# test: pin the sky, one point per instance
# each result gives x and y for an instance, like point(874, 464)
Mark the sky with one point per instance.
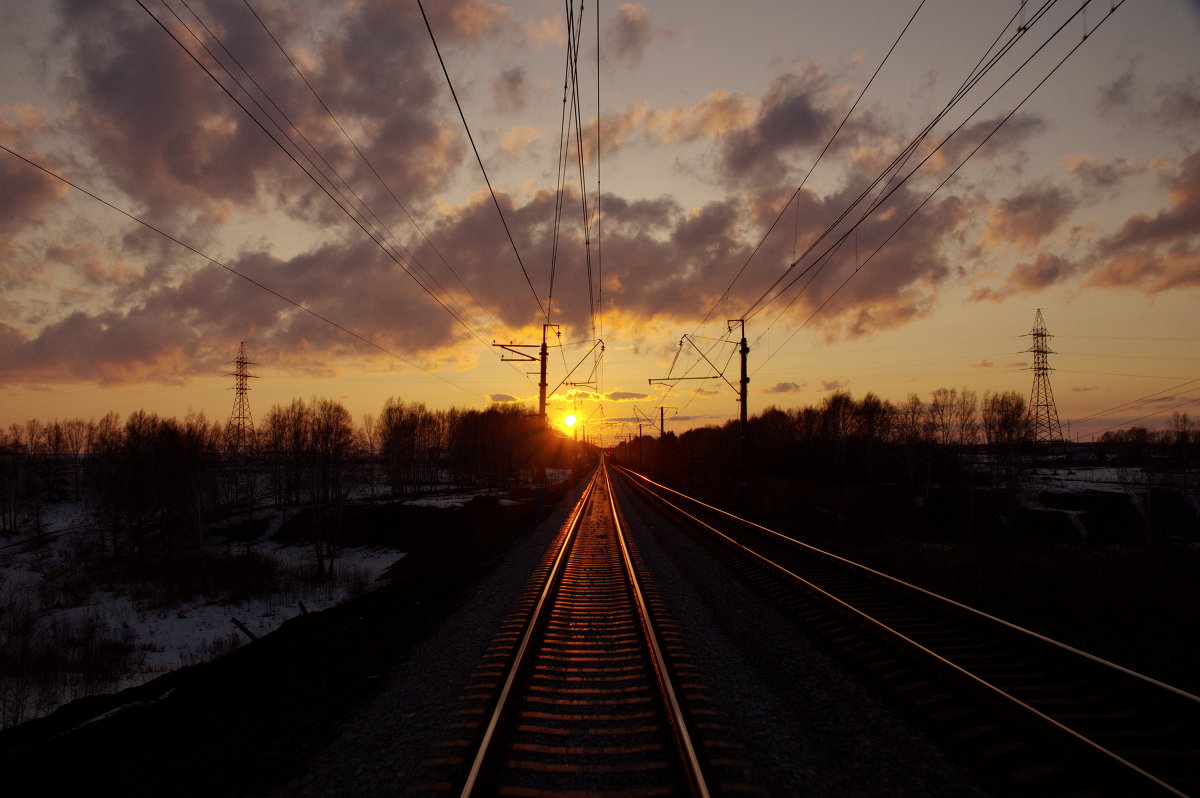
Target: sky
point(881, 193)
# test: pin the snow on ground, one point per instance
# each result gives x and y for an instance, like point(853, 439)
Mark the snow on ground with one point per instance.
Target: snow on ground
point(34, 573)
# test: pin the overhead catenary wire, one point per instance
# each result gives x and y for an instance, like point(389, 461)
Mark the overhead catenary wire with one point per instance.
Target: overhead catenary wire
point(462, 115)
point(886, 177)
point(367, 161)
point(365, 226)
point(795, 197)
point(796, 194)
point(952, 173)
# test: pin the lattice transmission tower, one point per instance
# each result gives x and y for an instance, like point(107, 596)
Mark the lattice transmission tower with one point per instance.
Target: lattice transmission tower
point(1043, 415)
point(239, 433)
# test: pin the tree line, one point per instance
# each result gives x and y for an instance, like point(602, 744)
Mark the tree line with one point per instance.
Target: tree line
point(955, 438)
point(149, 473)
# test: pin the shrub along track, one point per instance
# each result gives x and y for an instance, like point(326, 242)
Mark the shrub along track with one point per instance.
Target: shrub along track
point(251, 719)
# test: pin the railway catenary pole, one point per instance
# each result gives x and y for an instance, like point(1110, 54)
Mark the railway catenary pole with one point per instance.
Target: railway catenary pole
point(541, 358)
point(743, 349)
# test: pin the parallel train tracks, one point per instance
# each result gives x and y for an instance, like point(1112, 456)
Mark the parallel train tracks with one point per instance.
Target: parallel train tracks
point(587, 702)
point(1039, 716)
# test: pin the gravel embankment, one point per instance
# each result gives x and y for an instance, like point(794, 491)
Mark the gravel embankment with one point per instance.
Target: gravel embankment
point(262, 716)
point(381, 750)
point(808, 727)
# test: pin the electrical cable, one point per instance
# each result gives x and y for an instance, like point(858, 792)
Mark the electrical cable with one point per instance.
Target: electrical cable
point(952, 173)
point(479, 158)
point(368, 162)
point(235, 272)
point(296, 160)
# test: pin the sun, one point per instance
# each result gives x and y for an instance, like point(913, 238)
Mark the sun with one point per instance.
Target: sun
point(569, 420)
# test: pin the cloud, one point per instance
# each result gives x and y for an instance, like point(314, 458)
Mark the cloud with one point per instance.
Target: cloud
point(1085, 389)
point(1179, 103)
point(833, 385)
point(502, 398)
point(626, 396)
point(983, 364)
point(784, 387)
point(1027, 218)
point(1096, 175)
point(1118, 95)
point(179, 145)
point(1157, 252)
point(546, 32)
point(800, 110)
point(510, 90)
point(630, 34)
point(518, 141)
point(1044, 271)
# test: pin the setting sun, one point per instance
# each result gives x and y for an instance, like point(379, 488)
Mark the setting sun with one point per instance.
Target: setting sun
point(569, 420)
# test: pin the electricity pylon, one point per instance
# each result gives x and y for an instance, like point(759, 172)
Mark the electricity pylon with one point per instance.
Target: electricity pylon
point(1043, 415)
point(239, 433)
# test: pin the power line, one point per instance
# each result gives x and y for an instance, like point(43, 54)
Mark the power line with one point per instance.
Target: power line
point(479, 158)
point(363, 226)
point(952, 173)
point(370, 165)
point(234, 271)
point(796, 194)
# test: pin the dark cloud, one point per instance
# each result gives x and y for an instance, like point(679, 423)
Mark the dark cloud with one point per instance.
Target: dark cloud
point(795, 113)
point(1118, 95)
point(626, 396)
point(1027, 218)
point(509, 90)
point(833, 385)
point(1179, 103)
point(502, 398)
point(1157, 252)
point(1044, 271)
point(630, 33)
point(170, 138)
point(784, 387)
point(1096, 175)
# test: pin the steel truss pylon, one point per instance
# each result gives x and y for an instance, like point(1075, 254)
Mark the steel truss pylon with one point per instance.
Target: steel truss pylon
point(1043, 415)
point(239, 433)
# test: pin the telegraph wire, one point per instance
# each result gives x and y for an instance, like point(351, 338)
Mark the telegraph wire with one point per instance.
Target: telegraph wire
point(974, 77)
point(796, 194)
point(1132, 403)
point(379, 227)
point(479, 158)
point(235, 272)
point(1148, 415)
point(952, 173)
point(295, 160)
point(369, 164)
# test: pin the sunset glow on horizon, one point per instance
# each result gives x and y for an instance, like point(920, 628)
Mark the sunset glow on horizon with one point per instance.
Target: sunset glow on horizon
point(729, 146)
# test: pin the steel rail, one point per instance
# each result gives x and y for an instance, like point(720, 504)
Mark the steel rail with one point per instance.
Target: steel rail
point(915, 588)
point(531, 627)
point(930, 655)
point(695, 773)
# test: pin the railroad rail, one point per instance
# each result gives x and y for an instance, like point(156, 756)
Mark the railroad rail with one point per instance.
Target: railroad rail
point(1043, 717)
point(586, 703)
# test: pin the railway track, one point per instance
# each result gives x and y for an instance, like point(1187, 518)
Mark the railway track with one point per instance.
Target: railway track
point(1037, 716)
point(580, 697)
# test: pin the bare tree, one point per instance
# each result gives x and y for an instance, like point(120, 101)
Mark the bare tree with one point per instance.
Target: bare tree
point(1006, 428)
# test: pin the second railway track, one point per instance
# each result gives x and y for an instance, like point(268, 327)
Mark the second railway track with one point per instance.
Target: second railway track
point(1042, 717)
